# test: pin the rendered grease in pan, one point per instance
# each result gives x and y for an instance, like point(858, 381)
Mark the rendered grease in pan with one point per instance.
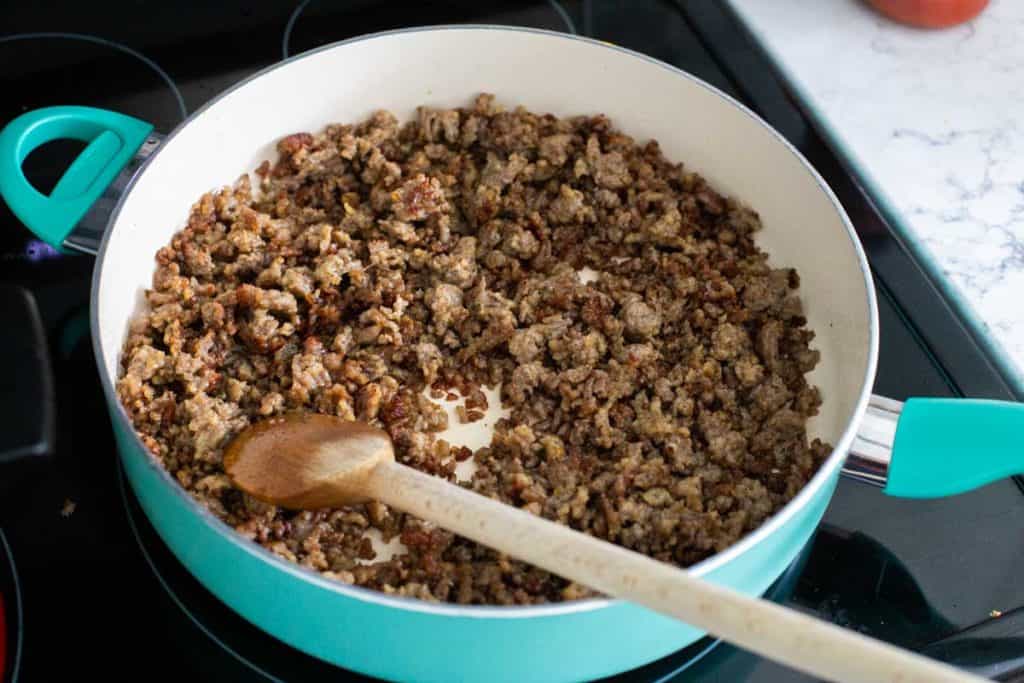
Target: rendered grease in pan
point(377, 270)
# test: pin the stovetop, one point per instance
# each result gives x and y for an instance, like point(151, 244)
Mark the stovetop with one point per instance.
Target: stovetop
point(87, 589)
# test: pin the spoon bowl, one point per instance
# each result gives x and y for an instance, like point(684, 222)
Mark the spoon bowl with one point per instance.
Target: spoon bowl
point(304, 461)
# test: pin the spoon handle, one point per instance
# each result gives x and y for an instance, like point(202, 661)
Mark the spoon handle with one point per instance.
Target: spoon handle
point(775, 632)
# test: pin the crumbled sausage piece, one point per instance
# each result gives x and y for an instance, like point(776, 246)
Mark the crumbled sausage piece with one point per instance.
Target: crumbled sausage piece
point(210, 422)
point(555, 148)
point(459, 267)
point(521, 243)
point(308, 374)
point(749, 371)
point(641, 320)
point(728, 341)
point(569, 207)
point(445, 302)
point(609, 170)
point(661, 406)
point(145, 362)
point(333, 267)
point(528, 344)
point(436, 125)
point(404, 232)
point(418, 199)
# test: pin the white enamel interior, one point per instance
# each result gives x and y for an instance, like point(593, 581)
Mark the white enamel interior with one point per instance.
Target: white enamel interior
point(545, 72)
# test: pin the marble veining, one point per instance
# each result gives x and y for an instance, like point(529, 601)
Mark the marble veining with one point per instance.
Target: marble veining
point(934, 118)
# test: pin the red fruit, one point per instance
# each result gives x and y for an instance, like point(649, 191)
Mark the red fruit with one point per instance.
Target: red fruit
point(930, 13)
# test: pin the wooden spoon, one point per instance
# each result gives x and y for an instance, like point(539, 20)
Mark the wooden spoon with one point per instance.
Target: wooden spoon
point(308, 461)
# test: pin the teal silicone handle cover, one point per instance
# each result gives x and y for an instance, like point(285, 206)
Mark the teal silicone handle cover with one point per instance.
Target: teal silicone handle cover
point(946, 446)
point(112, 141)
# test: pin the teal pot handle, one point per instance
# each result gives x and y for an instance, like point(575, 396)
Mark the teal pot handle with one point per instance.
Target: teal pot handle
point(63, 218)
point(934, 447)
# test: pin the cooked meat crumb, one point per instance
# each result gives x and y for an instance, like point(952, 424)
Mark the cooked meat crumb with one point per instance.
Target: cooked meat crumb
point(660, 405)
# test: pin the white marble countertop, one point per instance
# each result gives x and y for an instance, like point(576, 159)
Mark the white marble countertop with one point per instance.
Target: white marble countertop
point(933, 123)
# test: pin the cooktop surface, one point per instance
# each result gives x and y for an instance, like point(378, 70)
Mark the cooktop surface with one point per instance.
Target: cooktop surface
point(88, 589)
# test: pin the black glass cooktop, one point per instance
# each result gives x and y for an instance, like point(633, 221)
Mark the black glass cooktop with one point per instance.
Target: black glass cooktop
point(87, 589)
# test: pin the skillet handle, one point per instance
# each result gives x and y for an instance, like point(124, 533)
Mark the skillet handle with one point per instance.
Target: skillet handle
point(934, 447)
point(113, 141)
